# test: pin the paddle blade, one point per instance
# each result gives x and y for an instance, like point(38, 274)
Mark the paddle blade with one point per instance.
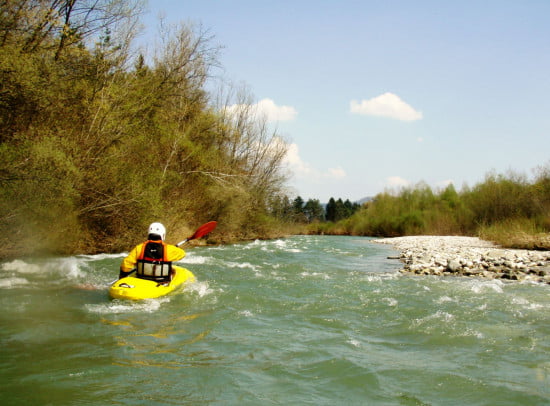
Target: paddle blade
point(206, 228)
point(201, 232)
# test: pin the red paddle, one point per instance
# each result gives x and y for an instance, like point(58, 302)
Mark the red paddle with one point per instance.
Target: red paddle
point(203, 230)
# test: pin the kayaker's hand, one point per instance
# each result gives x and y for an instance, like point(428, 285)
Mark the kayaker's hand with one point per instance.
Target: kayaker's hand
point(123, 274)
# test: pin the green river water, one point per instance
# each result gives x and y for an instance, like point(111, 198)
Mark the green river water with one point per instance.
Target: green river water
point(308, 320)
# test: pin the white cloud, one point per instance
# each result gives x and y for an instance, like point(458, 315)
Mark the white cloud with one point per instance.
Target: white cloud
point(302, 169)
point(276, 113)
point(386, 105)
point(397, 181)
point(336, 173)
point(294, 161)
point(265, 108)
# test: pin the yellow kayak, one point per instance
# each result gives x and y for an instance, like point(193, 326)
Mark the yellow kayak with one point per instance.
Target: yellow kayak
point(137, 289)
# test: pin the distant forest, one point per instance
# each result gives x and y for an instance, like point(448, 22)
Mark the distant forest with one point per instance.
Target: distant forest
point(509, 209)
point(313, 211)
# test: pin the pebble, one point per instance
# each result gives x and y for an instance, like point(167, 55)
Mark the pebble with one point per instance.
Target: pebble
point(469, 256)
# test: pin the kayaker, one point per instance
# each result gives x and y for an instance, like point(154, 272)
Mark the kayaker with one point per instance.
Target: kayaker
point(153, 258)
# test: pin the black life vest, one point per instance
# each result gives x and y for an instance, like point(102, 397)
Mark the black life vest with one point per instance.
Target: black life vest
point(152, 262)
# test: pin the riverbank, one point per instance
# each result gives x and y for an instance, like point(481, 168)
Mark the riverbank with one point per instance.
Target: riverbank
point(469, 256)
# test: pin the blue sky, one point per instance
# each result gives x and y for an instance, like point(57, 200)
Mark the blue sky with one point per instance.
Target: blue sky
point(373, 95)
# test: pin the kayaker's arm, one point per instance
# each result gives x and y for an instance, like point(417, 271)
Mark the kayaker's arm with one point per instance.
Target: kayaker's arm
point(174, 253)
point(129, 263)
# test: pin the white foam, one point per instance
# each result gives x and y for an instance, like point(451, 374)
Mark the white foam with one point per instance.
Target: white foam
point(246, 313)
point(472, 333)
point(20, 266)
point(322, 274)
point(483, 286)
point(116, 307)
point(195, 259)
point(445, 299)
point(354, 342)
point(273, 246)
point(381, 276)
point(520, 300)
point(535, 306)
point(373, 278)
point(100, 257)
point(255, 243)
point(391, 301)
point(68, 267)
point(526, 304)
point(286, 246)
point(447, 317)
point(200, 288)
point(12, 282)
point(241, 265)
point(439, 315)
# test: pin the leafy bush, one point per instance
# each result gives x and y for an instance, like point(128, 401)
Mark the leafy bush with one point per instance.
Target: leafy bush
point(507, 209)
point(96, 144)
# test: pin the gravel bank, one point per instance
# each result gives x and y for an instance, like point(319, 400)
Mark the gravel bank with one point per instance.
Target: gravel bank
point(469, 256)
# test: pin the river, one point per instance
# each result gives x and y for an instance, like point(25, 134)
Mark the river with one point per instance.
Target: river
point(308, 320)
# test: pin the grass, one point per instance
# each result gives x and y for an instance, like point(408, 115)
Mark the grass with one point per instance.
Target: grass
point(518, 233)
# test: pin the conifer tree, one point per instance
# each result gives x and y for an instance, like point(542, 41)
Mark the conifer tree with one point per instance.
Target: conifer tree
point(331, 210)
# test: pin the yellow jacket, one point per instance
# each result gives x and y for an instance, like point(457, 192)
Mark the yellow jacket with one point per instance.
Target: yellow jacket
point(172, 253)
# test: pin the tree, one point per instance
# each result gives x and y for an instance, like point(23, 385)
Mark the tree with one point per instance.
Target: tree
point(349, 208)
point(298, 208)
point(340, 212)
point(280, 207)
point(331, 210)
point(450, 196)
point(337, 210)
point(313, 210)
point(58, 24)
point(253, 153)
point(100, 143)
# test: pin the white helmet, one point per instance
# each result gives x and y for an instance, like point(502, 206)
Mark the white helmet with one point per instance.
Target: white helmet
point(157, 229)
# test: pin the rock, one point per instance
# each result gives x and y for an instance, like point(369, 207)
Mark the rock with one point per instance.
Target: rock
point(508, 264)
point(438, 271)
point(440, 262)
point(453, 265)
point(488, 275)
point(468, 256)
point(492, 255)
